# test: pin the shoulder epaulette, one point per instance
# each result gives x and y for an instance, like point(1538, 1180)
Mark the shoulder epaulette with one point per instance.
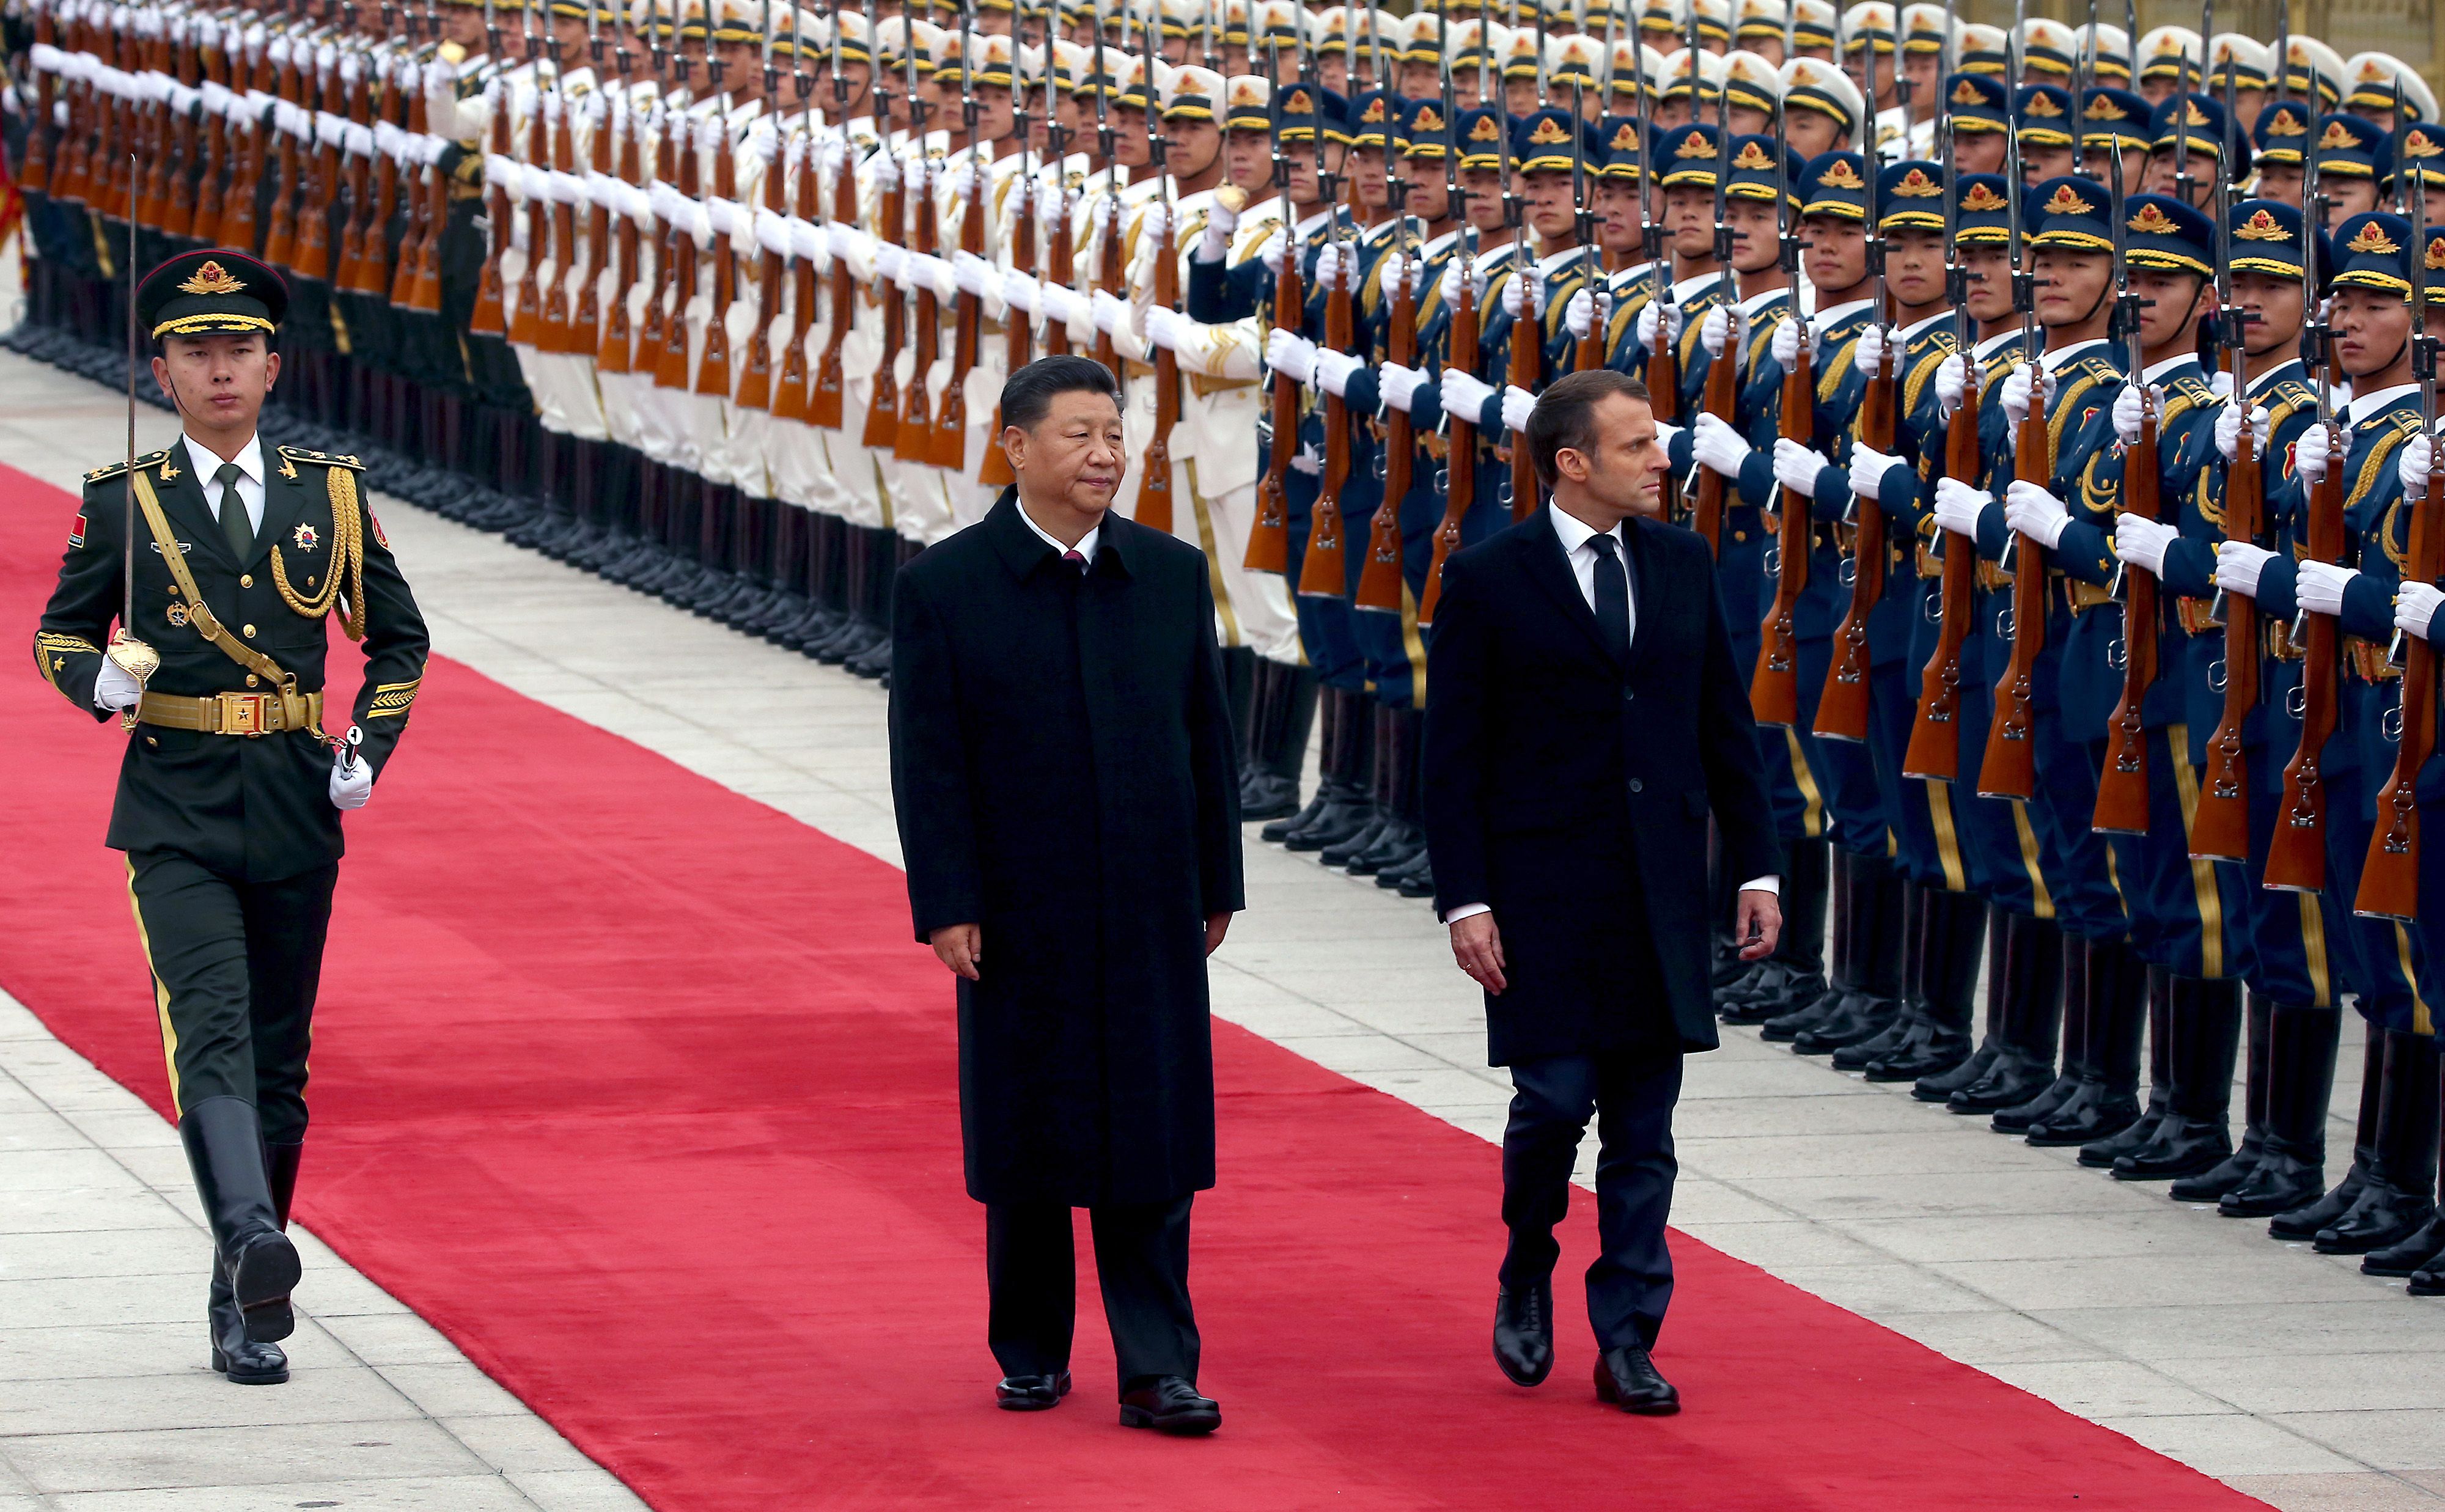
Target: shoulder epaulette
point(99, 473)
point(2099, 370)
point(299, 454)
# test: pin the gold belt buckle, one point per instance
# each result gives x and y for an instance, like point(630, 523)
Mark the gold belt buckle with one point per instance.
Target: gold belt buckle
point(243, 713)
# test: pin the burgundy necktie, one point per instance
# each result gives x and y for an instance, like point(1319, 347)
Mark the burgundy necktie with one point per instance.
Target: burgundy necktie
point(1076, 561)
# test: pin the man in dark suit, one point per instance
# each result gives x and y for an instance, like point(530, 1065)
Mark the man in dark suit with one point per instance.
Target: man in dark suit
point(1061, 761)
point(1584, 718)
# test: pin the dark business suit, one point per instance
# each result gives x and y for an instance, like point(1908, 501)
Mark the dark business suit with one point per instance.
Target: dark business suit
point(1568, 787)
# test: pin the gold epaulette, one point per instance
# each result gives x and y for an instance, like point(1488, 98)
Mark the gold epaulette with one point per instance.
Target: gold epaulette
point(299, 454)
point(99, 473)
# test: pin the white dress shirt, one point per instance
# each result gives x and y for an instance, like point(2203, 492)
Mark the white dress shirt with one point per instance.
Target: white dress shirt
point(1585, 564)
point(1084, 548)
point(202, 462)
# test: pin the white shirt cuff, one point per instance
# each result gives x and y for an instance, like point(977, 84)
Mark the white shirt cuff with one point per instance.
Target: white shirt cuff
point(1467, 910)
point(1768, 885)
point(1772, 885)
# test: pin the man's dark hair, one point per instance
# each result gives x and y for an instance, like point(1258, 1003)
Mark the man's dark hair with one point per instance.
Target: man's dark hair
point(1028, 395)
point(1566, 416)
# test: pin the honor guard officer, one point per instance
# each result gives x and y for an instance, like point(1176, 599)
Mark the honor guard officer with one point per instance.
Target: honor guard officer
point(225, 557)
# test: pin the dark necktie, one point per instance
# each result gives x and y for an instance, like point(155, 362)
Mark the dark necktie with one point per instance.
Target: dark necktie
point(1077, 563)
point(1613, 598)
point(234, 525)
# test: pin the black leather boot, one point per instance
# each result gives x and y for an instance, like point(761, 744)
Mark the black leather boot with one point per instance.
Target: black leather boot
point(1403, 834)
point(1893, 967)
point(235, 1356)
point(1349, 803)
point(2102, 1152)
point(1872, 993)
point(2195, 1134)
point(2303, 1222)
point(1794, 976)
point(1939, 1087)
point(1950, 937)
point(2075, 1070)
point(224, 1142)
point(2025, 1061)
point(1283, 716)
point(2210, 1186)
point(2115, 1016)
point(1329, 706)
point(1378, 778)
point(2291, 1169)
point(2400, 1193)
point(1835, 982)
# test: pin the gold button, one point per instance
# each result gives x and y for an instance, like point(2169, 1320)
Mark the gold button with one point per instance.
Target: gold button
point(248, 632)
point(310, 580)
point(245, 580)
point(1740, 536)
point(149, 740)
point(251, 680)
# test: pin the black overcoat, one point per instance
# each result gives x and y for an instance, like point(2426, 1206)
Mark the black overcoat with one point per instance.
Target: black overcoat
point(1062, 766)
point(1571, 793)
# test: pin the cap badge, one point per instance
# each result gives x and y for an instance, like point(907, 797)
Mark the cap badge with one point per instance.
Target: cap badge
point(1915, 184)
point(1981, 201)
point(211, 278)
point(2066, 202)
point(2373, 240)
point(2262, 226)
point(1841, 175)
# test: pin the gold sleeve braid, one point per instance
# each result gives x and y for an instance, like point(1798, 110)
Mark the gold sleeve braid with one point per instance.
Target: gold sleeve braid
point(348, 562)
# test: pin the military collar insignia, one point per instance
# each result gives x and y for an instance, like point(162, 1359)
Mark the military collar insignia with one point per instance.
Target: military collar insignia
point(2043, 105)
point(2262, 226)
point(1696, 145)
point(2374, 240)
point(1752, 159)
point(1966, 93)
point(2067, 202)
point(211, 278)
point(1983, 200)
point(1841, 175)
point(1915, 184)
point(2338, 137)
point(2153, 221)
point(169, 469)
point(287, 468)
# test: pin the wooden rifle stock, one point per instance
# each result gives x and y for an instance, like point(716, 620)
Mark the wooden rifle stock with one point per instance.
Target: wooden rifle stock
point(755, 374)
point(1934, 748)
point(2389, 876)
point(1323, 573)
point(526, 313)
point(1721, 399)
point(790, 397)
point(1459, 493)
point(668, 327)
point(1269, 548)
point(2296, 855)
point(2122, 786)
point(1017, 332)
point(1112, 278)
point(2011, 769)
point(586, 322)
point(824, 401)
point(1155, 501)
point(490, 319)
point(559, 318)
point(1060, 267)
point(1774, 687)
point(882, 412)
point(35, 179)
point(950, 444)
point(713, 364)
point(912, 440)
point(1379, 581)
point(1590, 353)
point(2220, 823)
point(280, 236)
point(1527, 370)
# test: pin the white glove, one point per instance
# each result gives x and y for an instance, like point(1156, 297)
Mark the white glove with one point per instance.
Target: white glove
point(1713, 443)
point(1111, 312)
point(350, 789)
point(1958, 506)
point(1214, 243)
point(972, 274)
point(2309, 454)
point(2035, 513)
point(1292, 354)
point(2417, 454)
point(1868, 469)
point(1059, 303)
point(1724, 328)
point(1333, 370)
point(1870, 354)
point(2320, 586)
point(2220, 383)
point(836, 157)
point(113, 689)
point(1951, 384)
point(2415, 605)
point(927, 271)
point(2141, 543)
point(1464, 398)
point(1797, 465)
point(1309, 460)
point(2227, 432)
point(1666, 434)
point(2016, 391)
point(1412, 271)
point(848, 241)
point(1517, 404)
point(2126, 411)
point(1398, 385)
point(1329, 264)
point(1449, 287)
point(1521, 298)
point(886, 172)
point(1786, 343)
point(1018, 291)
point(1656, 312)
point(2238, 564)
point(1277, 247)
point(1162, 327)
point(1580, 315)
point(962, 180)
point(890, 263)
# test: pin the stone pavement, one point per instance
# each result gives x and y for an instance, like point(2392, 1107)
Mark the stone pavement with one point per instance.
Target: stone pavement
point(2285, 1373)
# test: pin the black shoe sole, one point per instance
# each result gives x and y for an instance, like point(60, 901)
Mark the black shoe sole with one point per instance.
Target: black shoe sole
point(1179, 1425)
point(263, 1277)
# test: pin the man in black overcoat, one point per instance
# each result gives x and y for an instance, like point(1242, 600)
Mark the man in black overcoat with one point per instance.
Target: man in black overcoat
point(1062, 765)
point(1584, 718)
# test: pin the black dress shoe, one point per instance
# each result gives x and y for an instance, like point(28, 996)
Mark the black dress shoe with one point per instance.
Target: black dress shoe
point(1169, 1405)
point(1030, 1394)
point(1627, 1378)
point(1523, 1332)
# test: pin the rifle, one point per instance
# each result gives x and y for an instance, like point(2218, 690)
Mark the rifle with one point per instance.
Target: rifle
point(1664, 358)
point(1017, 331)
point(611, 351)
point(371, 185)
point(680, 166)
point(586, 322)
point(1061, 258)
point(949, 449)
point(1156, 500)
point(1460, 452)
point(1108, 250)
point(1722, 395)
point(416, 285)
point(913, 433)
point(790, 394)
point(1323, 573)
point(489, 319)
point(2220, 823)
point(559, 317)
point(713, 364)
point(890, 219)
point(321, 183)
point(1842, 705)
point(2296, 855)
point(1589, 353)
point(1379, 582)
point(2122, 805)
point(755, 374)
point(204, 193)
point(35, 174)
point(1774, 687)
point(280, 236)
point(2390, 875)
point(823, 402)
point(1269, 538)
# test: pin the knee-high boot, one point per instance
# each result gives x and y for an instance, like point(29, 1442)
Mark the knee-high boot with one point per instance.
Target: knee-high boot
point(1870, 986)
point(2195, 1134)
point(1949, 939)
point(2112, 1007)
point(1793, 978)
point(2400, 1192)
point(1940, 1086)
point(2032, 1016)
point(224, 1144)
point(2105, 1152)
point(2074, 1071)
point(2291, 1169)
point(1896, 957)
point(2211, 1184)
point(2305, 1222)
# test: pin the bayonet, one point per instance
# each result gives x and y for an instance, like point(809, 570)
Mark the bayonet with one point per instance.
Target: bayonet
point(130, 655)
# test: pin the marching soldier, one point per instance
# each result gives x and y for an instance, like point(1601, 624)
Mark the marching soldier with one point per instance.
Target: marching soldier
point(220, 560)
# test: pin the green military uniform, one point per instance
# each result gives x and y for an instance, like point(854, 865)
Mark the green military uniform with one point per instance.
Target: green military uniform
point(225, 804)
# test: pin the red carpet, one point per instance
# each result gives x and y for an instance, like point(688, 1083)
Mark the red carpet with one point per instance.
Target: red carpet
point(639, 1091)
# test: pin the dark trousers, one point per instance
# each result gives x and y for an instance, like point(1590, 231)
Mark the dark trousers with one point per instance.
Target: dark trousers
point(236, 966)
point(1631, 1096)
point(1142, 1259)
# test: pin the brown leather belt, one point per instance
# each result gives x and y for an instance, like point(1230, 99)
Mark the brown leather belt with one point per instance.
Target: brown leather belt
point(2193, 615)
point(2367, 658)
point(247, 714)
point(2280, 643)
point(2083, 597)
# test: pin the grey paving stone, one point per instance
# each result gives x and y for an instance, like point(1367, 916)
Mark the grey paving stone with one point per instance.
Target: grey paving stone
point(178, 1251)
point(2116, 1389)
point(197, 1398)
point(420, 1493)
point(2358, 1491)
point(2232, 1444)
point(2316, 1382)
point(241, 1456)
point(2401, 1438)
